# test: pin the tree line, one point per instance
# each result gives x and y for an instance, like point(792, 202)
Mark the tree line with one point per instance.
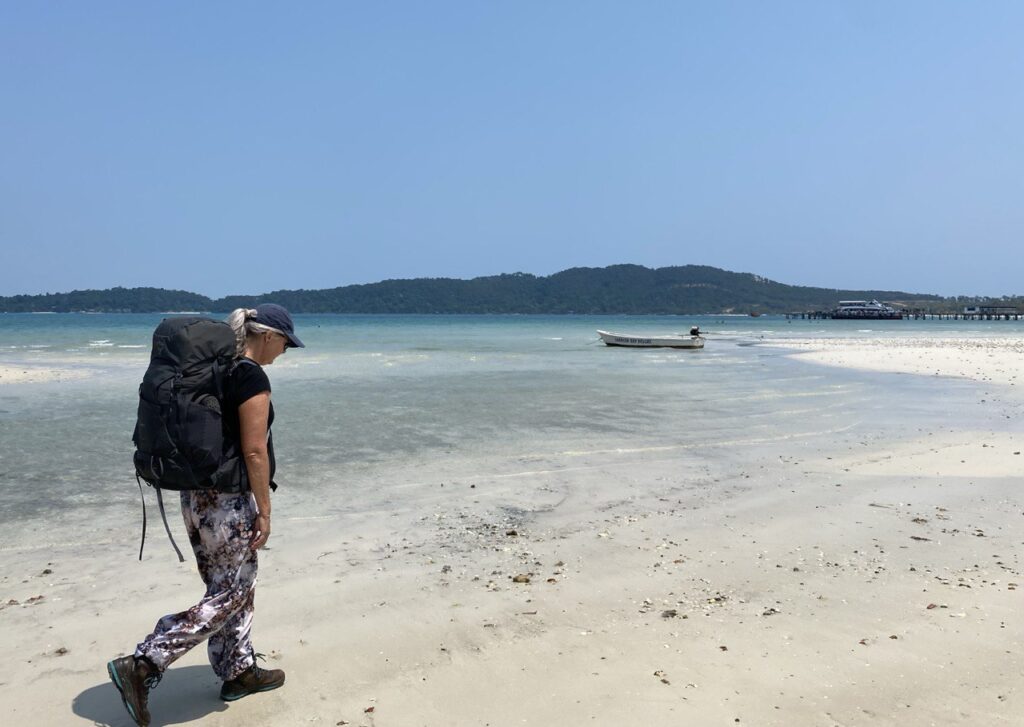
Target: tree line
point(619, 289)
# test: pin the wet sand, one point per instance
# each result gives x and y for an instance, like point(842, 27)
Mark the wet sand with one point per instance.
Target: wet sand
point(798, 583)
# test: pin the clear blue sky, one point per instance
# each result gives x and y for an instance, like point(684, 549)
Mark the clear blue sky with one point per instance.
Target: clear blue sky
point(248, 147)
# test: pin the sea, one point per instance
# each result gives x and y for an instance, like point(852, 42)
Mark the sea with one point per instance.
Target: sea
point(377, 403)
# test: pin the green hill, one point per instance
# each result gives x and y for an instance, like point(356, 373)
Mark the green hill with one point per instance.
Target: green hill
point(630, 289)
point(615, 289)
point(112, 300)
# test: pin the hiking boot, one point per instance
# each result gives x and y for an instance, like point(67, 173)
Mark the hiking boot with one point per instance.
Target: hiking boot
point(134, 678)
point(252, 680)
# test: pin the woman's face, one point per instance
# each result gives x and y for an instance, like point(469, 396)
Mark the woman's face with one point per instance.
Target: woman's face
point(274, 344)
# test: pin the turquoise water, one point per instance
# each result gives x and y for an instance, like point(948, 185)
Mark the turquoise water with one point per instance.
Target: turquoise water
point(379, 400)
point(98, 336)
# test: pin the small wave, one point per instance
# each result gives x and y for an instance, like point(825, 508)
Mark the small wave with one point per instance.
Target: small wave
point(131, 345)
point(100, 343)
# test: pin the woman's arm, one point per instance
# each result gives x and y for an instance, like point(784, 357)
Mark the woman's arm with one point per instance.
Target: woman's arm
point(252, 418)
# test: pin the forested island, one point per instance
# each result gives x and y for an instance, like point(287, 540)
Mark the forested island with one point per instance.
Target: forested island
point(623, 289)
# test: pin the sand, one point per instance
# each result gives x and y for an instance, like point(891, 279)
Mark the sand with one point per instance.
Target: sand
point(981, 359)
point(875, 583)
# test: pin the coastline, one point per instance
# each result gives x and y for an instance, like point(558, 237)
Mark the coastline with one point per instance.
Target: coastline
point(871, 580)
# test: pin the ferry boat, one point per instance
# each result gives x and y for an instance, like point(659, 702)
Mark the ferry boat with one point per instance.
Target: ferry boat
point(865, 309)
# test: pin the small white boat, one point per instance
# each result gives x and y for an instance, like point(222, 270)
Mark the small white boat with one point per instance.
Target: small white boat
point(694, 340)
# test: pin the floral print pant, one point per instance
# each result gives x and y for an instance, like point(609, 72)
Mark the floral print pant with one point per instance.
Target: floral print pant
point(219, 527)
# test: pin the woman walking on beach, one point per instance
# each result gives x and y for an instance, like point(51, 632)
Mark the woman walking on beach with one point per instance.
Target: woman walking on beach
point(225, 530)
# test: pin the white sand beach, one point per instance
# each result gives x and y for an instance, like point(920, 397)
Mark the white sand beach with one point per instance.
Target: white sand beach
point(872, 583)
point(981, 359)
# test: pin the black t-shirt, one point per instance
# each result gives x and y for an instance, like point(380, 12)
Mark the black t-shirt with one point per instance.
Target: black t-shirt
point(247, 380)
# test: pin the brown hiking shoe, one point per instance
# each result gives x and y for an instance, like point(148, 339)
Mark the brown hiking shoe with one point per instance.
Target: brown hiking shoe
point(134, 678)
point(252, 680)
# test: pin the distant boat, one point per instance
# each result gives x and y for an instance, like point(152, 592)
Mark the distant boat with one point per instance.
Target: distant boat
point(865, 310)
point(694, 340)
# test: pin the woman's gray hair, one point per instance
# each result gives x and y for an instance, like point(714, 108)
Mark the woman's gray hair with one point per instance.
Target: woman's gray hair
point(240, 320)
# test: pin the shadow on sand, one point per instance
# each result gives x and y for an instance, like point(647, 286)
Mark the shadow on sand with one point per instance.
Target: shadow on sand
point(187, 694)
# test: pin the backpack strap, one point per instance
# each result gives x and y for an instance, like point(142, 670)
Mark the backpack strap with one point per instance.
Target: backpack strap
point(160, 502)
point(143, 496)
point(163, 516)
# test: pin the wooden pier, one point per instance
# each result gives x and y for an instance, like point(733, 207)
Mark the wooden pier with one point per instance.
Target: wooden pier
point(974, 313)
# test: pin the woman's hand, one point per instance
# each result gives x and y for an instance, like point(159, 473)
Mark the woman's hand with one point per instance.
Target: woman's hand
point(260, 531)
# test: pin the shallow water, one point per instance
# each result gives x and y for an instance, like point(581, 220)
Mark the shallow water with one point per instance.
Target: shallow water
point(376, 400)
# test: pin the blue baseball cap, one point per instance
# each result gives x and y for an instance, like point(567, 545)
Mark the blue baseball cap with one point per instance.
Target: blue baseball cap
point(275, 316)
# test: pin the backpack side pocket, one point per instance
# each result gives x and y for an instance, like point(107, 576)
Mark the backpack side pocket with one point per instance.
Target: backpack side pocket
point(202, 436)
